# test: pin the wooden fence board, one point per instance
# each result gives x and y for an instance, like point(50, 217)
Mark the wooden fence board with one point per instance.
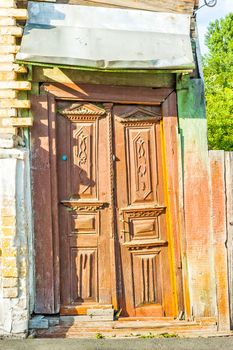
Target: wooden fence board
point(229, 223)
point(218, 201)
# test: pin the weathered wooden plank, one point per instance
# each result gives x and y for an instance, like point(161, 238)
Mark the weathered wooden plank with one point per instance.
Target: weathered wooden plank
point(44, 74)
point(229, 223)
point(41, 183)
point(107, 93)
point(217, 169)
point(170, 127)
point(197, 200)
point(180, 6)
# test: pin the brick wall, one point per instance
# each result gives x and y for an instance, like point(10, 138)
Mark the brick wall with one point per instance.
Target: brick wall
point(14, 296)
point(11, 81)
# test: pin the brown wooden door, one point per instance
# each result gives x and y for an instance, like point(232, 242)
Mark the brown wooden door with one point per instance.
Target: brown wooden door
point(96, 198)
point(141, 212)
point(84, 200)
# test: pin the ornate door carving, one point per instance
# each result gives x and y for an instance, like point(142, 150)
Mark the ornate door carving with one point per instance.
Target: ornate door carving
point(141, 213)
point(100, 203)
point(84, 197)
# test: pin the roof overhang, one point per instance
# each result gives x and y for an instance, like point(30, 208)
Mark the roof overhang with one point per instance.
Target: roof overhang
point(105, 38)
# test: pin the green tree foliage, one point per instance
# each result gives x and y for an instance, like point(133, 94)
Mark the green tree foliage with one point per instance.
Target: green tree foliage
point(218, 73)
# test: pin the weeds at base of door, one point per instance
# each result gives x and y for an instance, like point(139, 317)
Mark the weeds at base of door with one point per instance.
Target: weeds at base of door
point(99, 336)
point(163, 335)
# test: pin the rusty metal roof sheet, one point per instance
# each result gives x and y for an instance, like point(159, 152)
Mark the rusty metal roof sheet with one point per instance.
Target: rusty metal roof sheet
point(106, 38)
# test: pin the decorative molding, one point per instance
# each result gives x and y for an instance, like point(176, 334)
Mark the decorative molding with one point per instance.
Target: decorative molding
point(130, 216)
point(140, 116)
point(144, 244)
point(84, 206)
point(142, 212)
point(82, 111)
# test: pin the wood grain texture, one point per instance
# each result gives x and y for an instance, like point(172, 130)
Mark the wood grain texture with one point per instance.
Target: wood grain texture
point(42, 200)
point(105, 93)
point(229, 223)
point(178, 6)
point(170, 125)
point(160, 80)
point(217, 168)
point(73, 137)
point(146, 288)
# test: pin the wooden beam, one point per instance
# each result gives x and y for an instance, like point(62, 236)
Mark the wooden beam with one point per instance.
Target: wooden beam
point(43, 74)
point(179, 6)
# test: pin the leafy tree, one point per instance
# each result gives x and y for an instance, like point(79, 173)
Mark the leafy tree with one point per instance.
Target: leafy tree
point(218, 74)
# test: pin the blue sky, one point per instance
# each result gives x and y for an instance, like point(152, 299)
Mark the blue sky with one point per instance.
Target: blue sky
point(208, 14)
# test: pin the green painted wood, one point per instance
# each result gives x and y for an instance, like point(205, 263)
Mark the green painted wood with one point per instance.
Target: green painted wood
point(91, 69)
point(194, 169)
point(56, 74)
point(190, 97)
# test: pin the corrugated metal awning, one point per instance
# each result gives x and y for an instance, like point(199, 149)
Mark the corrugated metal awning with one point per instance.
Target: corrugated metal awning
point(106, 38)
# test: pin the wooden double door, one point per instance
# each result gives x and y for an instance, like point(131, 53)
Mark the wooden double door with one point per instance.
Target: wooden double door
point(112, 215)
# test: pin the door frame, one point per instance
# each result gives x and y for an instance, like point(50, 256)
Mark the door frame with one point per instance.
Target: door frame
point(47, 280)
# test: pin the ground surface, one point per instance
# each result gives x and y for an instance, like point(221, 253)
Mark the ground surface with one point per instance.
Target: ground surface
point(213, 343)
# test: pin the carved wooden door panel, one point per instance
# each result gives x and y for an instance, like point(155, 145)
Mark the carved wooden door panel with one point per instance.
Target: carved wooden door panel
point(141, 213)
point(84, 218)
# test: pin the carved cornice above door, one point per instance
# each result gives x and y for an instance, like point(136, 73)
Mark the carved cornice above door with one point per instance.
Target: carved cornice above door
point(80, 111)
point(140, 114)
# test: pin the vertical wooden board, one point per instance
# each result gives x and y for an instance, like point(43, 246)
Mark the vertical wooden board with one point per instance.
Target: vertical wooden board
point(106, 262)
point(170, 124)
point(52, 124)
point(197, 208)
point(197, 197)
point(229, 224)
point(217, 168)
point(40, 160)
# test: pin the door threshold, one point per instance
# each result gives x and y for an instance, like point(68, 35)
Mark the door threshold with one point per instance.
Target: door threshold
point(82, 309)
point(78, 327)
